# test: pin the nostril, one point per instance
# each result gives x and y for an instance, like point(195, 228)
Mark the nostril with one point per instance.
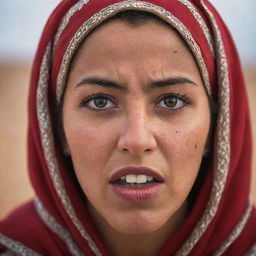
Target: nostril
point(127, 150)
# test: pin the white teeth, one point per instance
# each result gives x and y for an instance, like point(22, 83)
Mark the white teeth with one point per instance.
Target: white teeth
point(132, 178)
point(141, 178)
point(149, 178)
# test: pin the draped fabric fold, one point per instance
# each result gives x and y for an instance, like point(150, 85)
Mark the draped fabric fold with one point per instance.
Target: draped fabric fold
point(223, 219)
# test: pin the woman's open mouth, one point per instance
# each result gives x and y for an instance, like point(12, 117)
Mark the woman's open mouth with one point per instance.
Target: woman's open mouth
point(136, 184)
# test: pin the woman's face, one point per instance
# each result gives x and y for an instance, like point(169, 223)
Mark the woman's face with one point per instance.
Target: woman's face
point(136, 120)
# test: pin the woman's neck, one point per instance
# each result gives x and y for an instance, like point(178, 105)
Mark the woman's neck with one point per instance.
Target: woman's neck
point(138, 245)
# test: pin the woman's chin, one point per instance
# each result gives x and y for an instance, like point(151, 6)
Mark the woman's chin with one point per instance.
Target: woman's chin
point(139, 220)
point(136, 230)
point(137, 223)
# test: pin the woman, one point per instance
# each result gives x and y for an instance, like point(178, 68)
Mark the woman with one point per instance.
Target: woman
point(134, 142)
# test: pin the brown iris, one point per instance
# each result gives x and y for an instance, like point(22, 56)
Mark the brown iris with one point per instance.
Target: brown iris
point(170, 101)
point(100, 102)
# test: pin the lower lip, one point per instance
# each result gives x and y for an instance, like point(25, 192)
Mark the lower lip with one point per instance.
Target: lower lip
point(136, 194)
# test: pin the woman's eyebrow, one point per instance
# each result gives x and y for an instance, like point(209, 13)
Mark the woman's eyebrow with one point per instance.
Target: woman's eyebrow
point(171, 81)
point(154, 84)
point(101, 82)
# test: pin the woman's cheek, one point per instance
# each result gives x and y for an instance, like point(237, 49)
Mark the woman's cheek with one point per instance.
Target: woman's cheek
point(186, 150)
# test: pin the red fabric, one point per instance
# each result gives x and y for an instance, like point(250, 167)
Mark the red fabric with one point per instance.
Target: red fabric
point(24, 222)
point(24, 225)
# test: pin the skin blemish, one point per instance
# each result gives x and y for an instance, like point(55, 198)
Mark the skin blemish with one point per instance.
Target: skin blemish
point(196, 146)
point(177, 132)
point(175, 51)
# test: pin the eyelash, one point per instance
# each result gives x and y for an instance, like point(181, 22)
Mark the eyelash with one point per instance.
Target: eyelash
point(84, 103)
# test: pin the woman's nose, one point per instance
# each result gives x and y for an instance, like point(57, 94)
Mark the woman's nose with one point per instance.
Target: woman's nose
point(136, 135)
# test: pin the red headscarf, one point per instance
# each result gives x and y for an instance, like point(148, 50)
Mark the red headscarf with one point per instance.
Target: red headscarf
point(222, 222)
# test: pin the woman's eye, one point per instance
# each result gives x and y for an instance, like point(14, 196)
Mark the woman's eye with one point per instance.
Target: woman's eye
point(173, 102)
point(98, 103)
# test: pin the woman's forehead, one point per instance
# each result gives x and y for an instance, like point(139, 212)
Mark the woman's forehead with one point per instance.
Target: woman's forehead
point(152, 49)
point(115, 35)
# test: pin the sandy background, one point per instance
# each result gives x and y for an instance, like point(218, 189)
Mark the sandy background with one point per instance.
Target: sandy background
point(14, 183)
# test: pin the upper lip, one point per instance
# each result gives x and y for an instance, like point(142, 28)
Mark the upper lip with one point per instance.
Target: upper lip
point(135, 170)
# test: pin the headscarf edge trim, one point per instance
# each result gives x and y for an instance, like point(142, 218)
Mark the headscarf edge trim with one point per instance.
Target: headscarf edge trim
point(58, 229)
point(48, 148)
point(222, 146)
point(17, 247)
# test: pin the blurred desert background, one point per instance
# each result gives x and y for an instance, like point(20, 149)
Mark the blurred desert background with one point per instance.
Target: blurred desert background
point(17, 47)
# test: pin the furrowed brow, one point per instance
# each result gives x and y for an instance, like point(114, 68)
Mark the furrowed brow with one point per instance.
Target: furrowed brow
point(155, 84)
point(100, 82)
point(171, 81)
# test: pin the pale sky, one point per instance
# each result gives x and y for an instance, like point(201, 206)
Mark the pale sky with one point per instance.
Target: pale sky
point(21, 24)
